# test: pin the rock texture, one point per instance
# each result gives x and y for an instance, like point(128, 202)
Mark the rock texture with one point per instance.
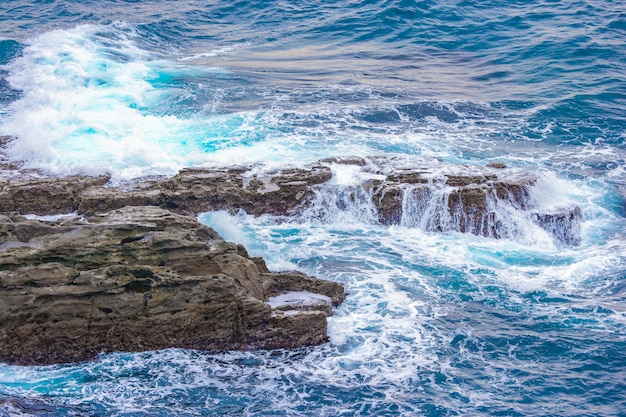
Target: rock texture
point(189, 192)
point(128, 271)
point(421, 193)
point(141, 278)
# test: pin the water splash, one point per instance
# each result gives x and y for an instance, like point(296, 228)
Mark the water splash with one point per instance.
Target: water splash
point(517, 208)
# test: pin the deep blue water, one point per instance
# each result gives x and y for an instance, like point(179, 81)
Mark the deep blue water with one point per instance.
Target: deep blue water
point(436, 324)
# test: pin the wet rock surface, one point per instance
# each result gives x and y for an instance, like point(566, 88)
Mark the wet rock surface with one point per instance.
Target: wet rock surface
point(130, 269)
point(418, 193)
point(441, 197)
point(141, 278)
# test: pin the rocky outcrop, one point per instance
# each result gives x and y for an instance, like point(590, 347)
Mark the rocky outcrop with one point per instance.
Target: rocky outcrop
point(36, 193)
point(418, 193)
point(492, 201)
point(128, 271)
point(451, 201)
point(191, 191)
point(143, 278)
point(195, 190)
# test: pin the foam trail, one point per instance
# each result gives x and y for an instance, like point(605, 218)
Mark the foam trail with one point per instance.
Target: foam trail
point(392, 326)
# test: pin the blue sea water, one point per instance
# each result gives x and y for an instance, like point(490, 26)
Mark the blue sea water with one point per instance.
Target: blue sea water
point(435, 324)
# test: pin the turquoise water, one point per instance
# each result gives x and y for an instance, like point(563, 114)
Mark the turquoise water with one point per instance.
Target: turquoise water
point(435, 324)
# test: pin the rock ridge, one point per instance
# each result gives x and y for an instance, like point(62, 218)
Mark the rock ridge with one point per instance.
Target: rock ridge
point(420, 193)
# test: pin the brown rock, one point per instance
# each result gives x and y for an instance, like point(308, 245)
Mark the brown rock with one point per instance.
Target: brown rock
point(563, 224)
point(388, 202)
point(39, 194)
point(443, 198)
point(141, 278)
point(196, 190)
point(429, 193)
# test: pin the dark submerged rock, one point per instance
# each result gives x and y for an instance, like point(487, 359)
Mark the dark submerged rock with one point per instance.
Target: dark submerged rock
point(32, 407)
point(563, 224)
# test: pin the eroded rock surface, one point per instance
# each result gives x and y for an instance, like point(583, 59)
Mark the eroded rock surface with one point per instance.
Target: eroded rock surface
point(418, 193)
point(128, 271)
point(141, 278)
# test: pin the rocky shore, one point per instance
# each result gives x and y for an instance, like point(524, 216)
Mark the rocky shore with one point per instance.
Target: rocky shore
point(436, 196)
point(143, 278)
point(126, 267)
point(123, 272)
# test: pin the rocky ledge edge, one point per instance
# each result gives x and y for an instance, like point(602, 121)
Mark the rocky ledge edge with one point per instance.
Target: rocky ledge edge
point(424, 193)
point(130, 269)
point(143, 278)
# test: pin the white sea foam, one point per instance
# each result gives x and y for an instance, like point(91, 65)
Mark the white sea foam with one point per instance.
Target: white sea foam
point(386, 331)
point(91, 105)
point(82, 110)
point(297, 299)
point(93, 101)
point(213, 53)
point(50, 218)
point(351, 175)
point(227, 226)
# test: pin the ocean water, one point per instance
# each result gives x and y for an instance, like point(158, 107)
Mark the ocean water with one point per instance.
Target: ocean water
point(436, 323)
